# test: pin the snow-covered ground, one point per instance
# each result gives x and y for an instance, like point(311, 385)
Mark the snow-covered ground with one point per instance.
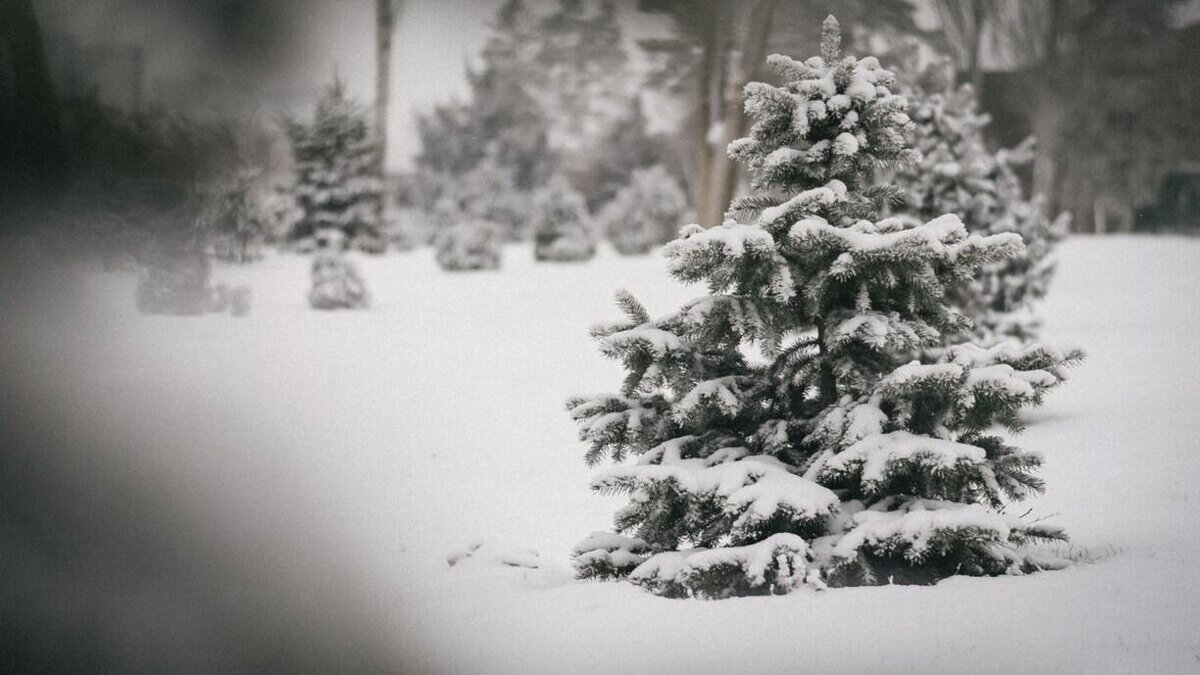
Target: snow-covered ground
point(392, 437)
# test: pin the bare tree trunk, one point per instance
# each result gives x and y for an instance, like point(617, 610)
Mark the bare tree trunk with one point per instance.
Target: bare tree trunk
point(385, 28)
point(702, 171)
point(975, 57)
point(752, 54)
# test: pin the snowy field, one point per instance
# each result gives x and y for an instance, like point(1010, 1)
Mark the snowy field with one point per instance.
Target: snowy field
point(375, 443)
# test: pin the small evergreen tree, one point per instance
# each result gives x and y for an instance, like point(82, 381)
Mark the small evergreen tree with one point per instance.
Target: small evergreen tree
point(336, 281)
point(832, 458)
point(958, 174)
point(336, 181)
point(561, 226)
point(647, 213)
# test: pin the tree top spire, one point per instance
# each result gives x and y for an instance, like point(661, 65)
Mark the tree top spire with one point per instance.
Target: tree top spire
point(831, 39)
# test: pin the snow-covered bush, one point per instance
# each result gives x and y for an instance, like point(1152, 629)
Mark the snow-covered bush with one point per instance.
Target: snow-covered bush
point(336, 184)
point(336, 281)
point(561, 224)
point(473, 245)
point(830, 458)
point(647, 213)
point(958, 174)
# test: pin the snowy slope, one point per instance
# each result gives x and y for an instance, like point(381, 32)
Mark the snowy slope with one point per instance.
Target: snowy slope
point(400, 434)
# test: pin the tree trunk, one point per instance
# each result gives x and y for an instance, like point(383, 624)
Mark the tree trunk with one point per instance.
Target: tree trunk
point(752, 53)
point(385, 27)
point(702, 170)
point(975, 63)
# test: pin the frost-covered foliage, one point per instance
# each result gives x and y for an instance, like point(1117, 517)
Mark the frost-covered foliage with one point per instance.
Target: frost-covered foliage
point(471, 245)
point(958, 174)
point(336, 281)
point(830, 457)
point(646, 213)
point(336, 172)
point(561, 224)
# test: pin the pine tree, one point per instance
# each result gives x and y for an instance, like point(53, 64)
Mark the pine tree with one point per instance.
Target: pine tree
point(582, 72)
point(958, 174)
point(645, 214)
point(551, 95)
point(606, 166)
point(501, 122)
point(831, 458)
point(336, 182)
point(561, 224)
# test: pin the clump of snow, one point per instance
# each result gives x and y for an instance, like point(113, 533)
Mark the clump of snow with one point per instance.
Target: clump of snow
point(755, 488)
point(876, 455)
point(735, 239)
point(657, 340)
point(831, 193)
point(779, 560)
point(845, 144)
point(917, 524)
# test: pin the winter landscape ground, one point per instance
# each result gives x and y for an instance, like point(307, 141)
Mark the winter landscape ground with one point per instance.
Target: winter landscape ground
point(390, 438)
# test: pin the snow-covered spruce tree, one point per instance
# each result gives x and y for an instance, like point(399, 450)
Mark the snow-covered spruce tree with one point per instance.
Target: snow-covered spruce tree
point(336, 186)
point(469, 245)
point(645, 214)
point(561, 224)
point(336, 281)
point(832, 459)
point(957, 173)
